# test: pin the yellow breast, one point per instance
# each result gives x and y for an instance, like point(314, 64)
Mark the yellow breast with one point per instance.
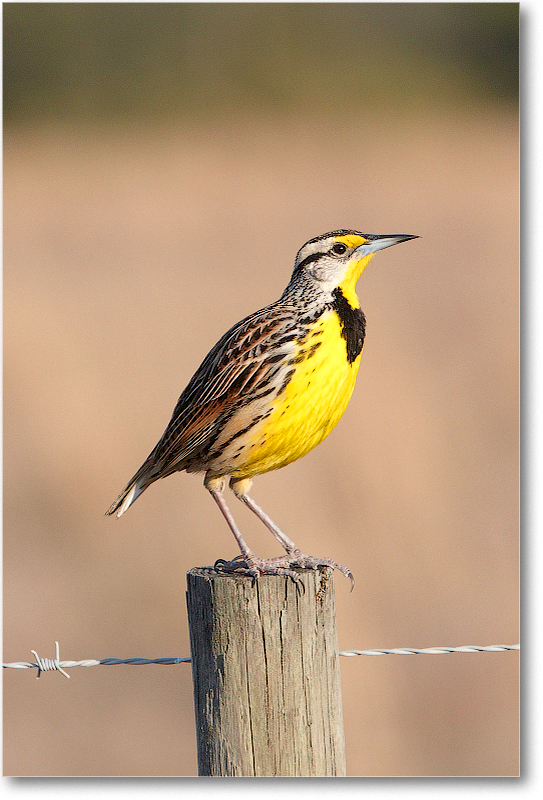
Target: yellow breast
point(310, 405)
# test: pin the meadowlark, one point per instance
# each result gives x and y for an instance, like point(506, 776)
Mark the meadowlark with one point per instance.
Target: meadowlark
point(270, 390)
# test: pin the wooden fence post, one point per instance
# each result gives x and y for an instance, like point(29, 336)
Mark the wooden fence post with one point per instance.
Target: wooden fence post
point(266, 675)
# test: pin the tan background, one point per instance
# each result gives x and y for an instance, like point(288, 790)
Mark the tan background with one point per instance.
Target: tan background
point(129, 249)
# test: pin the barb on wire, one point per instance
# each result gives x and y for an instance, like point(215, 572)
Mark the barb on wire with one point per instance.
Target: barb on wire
point(48, 664)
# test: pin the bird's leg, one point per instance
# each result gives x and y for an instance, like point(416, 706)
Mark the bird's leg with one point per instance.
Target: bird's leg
point(296, 558)
point(218, 496)
point(248, 559)
point(240, 489)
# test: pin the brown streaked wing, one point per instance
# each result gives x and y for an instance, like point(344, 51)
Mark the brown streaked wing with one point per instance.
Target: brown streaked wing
point(238, 363)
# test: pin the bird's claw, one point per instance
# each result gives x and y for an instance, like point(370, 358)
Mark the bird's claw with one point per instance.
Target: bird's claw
point(255, 567)
point(280, 565)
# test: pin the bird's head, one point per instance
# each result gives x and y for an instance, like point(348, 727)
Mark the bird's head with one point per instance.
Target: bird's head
point(337, 259)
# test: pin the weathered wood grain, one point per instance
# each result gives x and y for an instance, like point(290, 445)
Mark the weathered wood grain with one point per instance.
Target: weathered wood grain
point(266, 675)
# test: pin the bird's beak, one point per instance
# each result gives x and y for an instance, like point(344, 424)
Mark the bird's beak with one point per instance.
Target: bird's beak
point(375, 243)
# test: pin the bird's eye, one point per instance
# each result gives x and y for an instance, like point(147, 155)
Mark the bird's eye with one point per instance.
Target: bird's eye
point(339, 249)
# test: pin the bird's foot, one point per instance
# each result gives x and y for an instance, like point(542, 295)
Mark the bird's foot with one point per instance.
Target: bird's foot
point(280, 565)
point(254, 566)
point(298, 559)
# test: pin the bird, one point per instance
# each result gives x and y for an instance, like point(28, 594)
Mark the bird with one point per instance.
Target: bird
point(269, 391)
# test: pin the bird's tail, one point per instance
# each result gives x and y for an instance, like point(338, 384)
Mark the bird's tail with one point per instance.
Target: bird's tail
point(138, 484)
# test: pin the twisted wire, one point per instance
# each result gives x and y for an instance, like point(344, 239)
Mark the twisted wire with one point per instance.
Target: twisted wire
point(52, 664)
point(409, 651)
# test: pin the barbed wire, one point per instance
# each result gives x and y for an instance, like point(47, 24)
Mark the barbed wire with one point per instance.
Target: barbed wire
point(432, 651)
point(55, 664)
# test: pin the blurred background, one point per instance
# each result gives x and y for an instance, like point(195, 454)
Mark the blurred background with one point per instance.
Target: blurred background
point(162, 165)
